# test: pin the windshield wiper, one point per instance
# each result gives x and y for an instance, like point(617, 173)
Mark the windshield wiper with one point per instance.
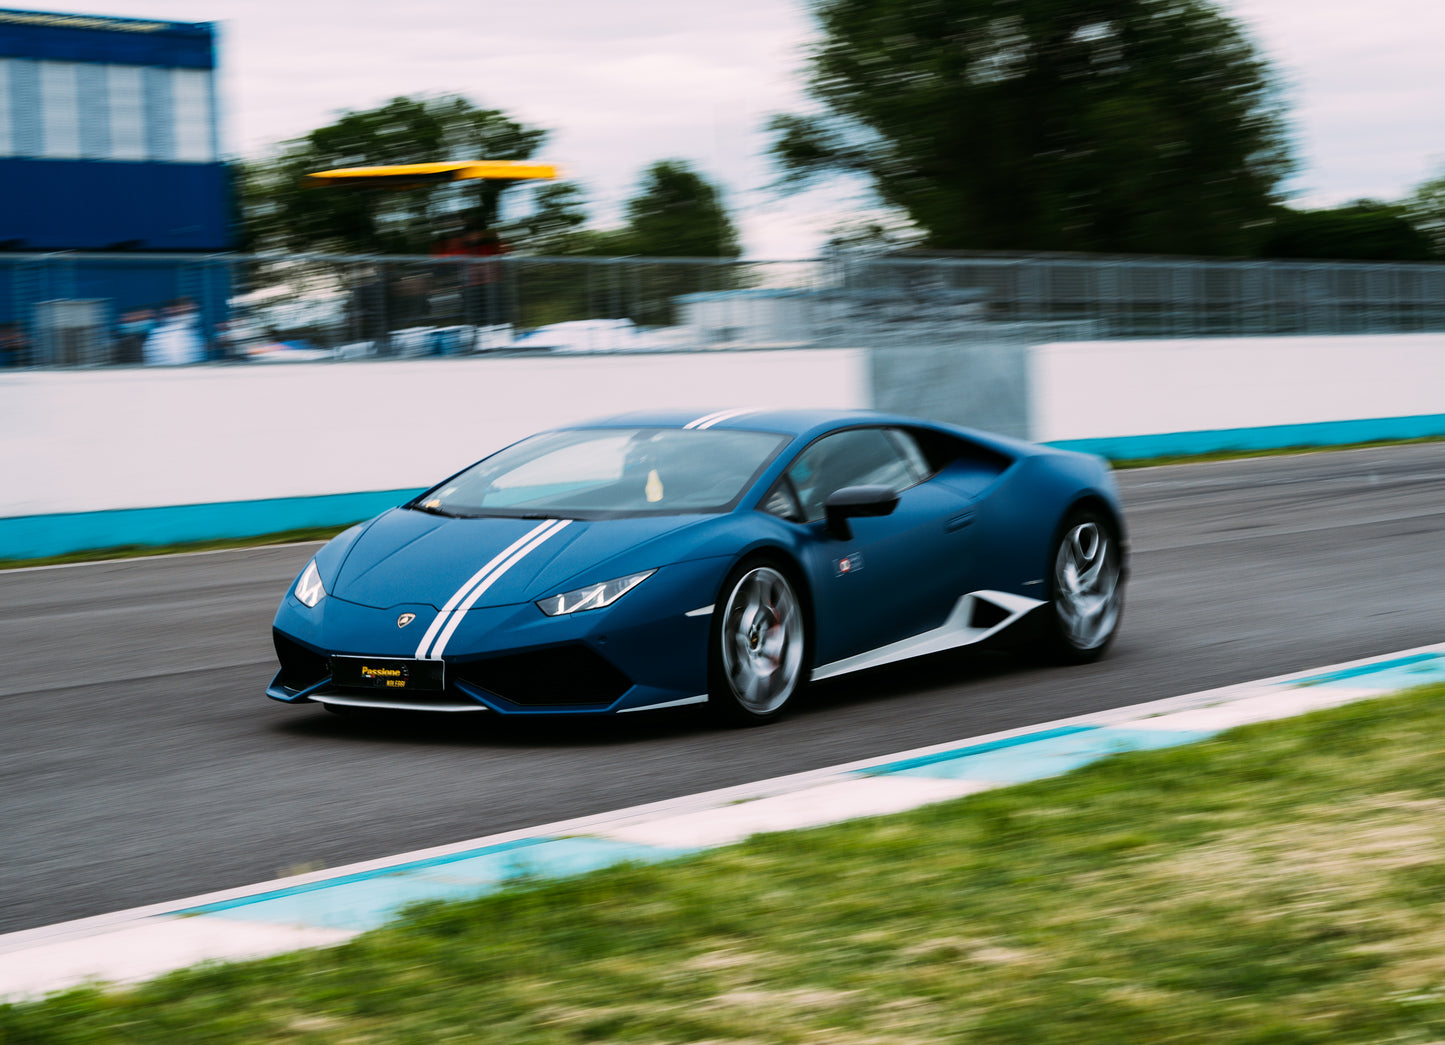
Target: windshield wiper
point(481, 513)
point(432, 510)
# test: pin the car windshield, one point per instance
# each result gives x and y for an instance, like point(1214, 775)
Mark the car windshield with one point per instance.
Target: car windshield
point(599, 472)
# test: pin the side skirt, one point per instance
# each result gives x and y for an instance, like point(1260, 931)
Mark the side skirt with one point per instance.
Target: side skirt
point(954, 632)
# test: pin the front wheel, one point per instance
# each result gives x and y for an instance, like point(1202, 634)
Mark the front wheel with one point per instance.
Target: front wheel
point(1087, 589)
point(759, 644)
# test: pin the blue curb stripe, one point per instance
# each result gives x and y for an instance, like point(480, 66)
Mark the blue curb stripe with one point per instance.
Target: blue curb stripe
point(36, 536)
point(1265, 437)
point(369, 900)
point(362, 876)
point(1048, 756)
point(965, 752)
point(1369, 669)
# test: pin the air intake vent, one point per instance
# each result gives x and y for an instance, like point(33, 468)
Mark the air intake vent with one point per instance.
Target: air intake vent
point(986, 614)
point(300, 667)
point(564, 675)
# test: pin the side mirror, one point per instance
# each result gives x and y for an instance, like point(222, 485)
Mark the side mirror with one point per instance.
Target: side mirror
point(856, 502)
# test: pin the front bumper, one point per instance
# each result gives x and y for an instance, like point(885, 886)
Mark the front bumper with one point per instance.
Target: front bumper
point(647, 650)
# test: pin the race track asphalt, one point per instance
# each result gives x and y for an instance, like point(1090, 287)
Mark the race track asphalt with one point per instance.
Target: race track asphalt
point(140, 761)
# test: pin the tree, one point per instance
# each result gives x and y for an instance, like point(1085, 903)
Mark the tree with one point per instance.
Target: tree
point(1426, 208)
point(557, 223)
point(1366, 230)
point(673, 213)
point(280, 211)
point(1097, 125)
point(677, 213)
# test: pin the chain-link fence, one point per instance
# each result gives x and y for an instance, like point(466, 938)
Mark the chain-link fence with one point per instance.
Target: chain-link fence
point(113, 309)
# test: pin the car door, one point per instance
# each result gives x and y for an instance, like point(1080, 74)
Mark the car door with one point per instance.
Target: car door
point(897, 575)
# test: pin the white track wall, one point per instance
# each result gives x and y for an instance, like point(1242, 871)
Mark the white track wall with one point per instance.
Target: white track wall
point(80, 441)
point(101, 458)
point(1315, 390)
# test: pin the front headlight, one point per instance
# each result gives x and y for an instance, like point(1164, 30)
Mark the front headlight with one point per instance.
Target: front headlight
point(592, 597)
point(309, 588)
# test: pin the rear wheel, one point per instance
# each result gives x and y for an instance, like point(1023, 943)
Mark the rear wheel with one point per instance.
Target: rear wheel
point(759, 645)
point(1087, 589)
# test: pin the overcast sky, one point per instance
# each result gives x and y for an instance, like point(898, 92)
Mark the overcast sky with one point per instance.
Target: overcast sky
point(622, 83)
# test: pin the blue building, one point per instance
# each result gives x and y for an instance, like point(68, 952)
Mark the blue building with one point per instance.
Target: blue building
point(108, 142)
point(108, 135)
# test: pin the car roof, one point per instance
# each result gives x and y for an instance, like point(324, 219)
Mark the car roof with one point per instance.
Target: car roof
point(787, 422)
point(807, 424)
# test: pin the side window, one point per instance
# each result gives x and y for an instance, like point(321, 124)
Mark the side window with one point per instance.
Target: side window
point(908, 449)
point(782, 502)
point(857, 457)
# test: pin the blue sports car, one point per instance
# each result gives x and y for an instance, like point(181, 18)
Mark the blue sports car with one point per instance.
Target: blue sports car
point(655, 560)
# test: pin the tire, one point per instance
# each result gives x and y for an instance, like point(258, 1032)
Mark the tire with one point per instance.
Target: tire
point(759, 646)
point(1086, 589)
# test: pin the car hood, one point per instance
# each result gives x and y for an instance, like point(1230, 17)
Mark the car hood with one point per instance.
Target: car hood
point(410, 557)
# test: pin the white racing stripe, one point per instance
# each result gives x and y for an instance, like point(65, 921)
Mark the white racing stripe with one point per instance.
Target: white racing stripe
point(544, 530)
point(696, 421)
point(717, 416)
point(476, 593)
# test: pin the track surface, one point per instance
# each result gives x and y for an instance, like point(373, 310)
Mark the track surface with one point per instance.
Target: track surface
point(140, 762)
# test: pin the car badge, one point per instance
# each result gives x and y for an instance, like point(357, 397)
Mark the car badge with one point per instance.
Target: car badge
point(405, 619)
point(849, 564)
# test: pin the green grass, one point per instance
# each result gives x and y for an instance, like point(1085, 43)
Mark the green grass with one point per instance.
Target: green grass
point(1281, 884)
point(136, 551)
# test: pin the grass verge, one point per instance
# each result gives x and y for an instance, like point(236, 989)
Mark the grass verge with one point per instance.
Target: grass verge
point(1283, 883)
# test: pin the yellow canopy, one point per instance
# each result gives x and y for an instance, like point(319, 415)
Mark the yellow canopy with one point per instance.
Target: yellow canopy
point(409, 175)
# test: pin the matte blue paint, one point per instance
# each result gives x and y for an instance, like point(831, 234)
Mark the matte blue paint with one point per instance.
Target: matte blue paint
point(36, 536)
point(1268, 437)
point(1052, 755)
point(915, 570)
point(924, 761)
point(369, 900)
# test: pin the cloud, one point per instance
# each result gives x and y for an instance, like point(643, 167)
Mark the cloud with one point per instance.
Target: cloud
point(1367, 98)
